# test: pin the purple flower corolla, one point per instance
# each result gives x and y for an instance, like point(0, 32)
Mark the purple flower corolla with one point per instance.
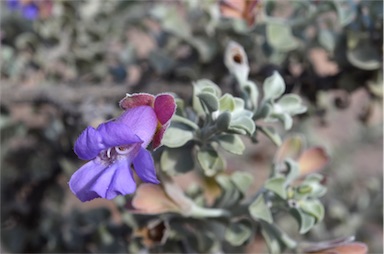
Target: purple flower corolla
point(29, 9)
point(113, 147)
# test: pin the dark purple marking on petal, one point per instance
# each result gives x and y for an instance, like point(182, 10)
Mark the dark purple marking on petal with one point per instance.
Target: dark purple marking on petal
point(137, 99)
point(145, 167)
point(165, 107)
point(142, 121)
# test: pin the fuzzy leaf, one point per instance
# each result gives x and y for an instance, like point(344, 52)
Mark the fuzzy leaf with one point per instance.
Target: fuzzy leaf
point(177, 160)
point(223, 121)
point(271, 134)
point(176, 137)
point(210, 161)
point(227, 103)
point(259, 210)
point(231, 143)
point(314, 208)
point(183, 120)
point(237, 233)
point(274, 86)
point(291, 104)
point(207, 86)
point(250, 88)
point(244, 123)
point(306, 221)
point(242, 180)
point(277, 185)
point(210, 101)
point(280, 37)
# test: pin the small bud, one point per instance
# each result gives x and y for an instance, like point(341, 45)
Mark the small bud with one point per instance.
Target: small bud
point(223, 121)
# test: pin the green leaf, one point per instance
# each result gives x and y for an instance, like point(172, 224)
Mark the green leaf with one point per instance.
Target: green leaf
point(237, 233)
point(271, 240)
point(277, 185)
point(223, 121)
point(210, 101)
point(177, 160)
point(231, 143)
point(280, 37)
point(244, 123)
point(293, 170)
point(250, 88)
point(313, 207)
point(227, 103)
point(291, 104)
point(327, 39)
point(230, 194)
point(176, 137)
point(277, 234)
point(271, 134)
point(286, 120)
point(306, 221)
point(242, 180)
point(264, 112)
point(210, 161)
point(183, 120)
point(207, 86)
point(206, 48)
point(171, 20)
point(274, 86)
point(260, 211)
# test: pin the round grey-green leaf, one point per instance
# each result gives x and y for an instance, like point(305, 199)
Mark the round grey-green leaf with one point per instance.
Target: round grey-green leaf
point(277, 186)
point(259, 210)
point(242, 180)
point(280, 37)
point(210, 161)
point(231, 143)
point(223, 121)
point(176, 161)
point(210, 101)
point(237, 233)
point(291, 103)
point(314, 208)
point(176, 137)
point(274, 86)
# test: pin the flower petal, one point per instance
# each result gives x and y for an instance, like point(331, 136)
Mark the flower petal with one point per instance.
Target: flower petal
point(116, 133)
point(156, 142)
point(92, 141)
point(142, 121)
point(122, 181)
point(145, 167)
point(313, 160)
point(98, 180)
point(137, 99)
point(151, 199)
point(165, 107)
point(89, 144)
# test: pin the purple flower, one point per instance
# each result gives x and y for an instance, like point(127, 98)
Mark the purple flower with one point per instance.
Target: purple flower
point(113, 148)
point(28, 9)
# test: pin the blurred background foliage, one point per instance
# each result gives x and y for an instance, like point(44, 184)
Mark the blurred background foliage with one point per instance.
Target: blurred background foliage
point(66, 64)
